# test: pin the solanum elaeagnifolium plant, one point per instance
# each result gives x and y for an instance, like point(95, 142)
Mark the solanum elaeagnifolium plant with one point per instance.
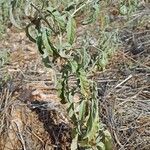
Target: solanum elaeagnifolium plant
point(53, 26)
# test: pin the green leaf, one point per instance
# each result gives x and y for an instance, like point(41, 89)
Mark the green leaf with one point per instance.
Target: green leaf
point(86, 58)
point(62, 48)
point(70, 110)
point(84, 83)
point(12, 19)
point(103, 61)
point(46, 62)
point(66, 46)
point(108, 140)
point(27, 8)
point(92, 126)
point(71, 29)
point(93, 120)
point(97, 10)
point(74, 66)
point(3, 58)
point(46, 42)
point(40, 43)
point(58, 17)
point(82, 110)
point(100, 146)
point(61, 20)
point(62, 92)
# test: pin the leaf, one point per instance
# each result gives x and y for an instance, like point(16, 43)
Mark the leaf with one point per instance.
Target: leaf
point(12, 19)
point(93, 14)
point(2, 1)
point(62, 90)
point(63, 48)
point(61, 19)
point(82, 110)
point(74, 66)
point(46, 42)
point(58, 17)
point(84, 83)
point(39, 43)
point(97, 10)
point(70, 110)
point(71, 30)
point(72, 114)
point(103, 61)
point(92, 126)
point(100, 146)
point(3, 58)
point(46, 62)
point(108, 140)
point(43, 51)
point(27, 8)
point(102, 21)
point(86, 58)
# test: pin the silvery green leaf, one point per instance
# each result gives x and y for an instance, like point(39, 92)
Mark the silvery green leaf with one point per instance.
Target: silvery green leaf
point(46, 42)
point(71, 29)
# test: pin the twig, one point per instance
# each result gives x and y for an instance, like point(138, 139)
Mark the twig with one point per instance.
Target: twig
point(117, 140)
point(128, 78)
point(21, 137)
point(31, 132)
point(127, 56)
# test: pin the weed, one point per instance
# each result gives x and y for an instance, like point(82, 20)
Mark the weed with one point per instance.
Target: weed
point(53, 26)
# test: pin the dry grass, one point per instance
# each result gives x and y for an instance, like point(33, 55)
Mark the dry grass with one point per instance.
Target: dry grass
point(125, 98)
point(30, 112)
